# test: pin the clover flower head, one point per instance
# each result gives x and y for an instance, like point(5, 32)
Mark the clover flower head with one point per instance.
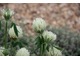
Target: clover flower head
point(54, 52)
point(39, 25)
point(12, 32)
point(57, 52)
point(22, 52)
point(48, 35)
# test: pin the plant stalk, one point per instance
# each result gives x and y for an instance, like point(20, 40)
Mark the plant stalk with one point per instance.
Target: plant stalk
point(42, 47)
point(5, 37)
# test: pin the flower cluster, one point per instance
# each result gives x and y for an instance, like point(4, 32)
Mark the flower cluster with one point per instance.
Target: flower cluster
point(54, 52)
point(12, 33)
point(39, 25)
point(57, 52)
point(22, 52)
point(43, 41)
point(48, 35)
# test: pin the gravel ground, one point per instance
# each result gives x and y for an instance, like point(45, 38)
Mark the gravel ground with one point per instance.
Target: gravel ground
point(55, 14)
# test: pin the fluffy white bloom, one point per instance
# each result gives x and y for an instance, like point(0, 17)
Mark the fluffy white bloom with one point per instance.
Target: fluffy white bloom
point(54, 52)
point(48, 35)
point(12, 32)
point(22, 52)
point(1, 51)
point(39, 24)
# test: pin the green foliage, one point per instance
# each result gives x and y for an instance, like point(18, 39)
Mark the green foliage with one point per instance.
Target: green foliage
point(42, 45)
point(68, 40)
point(11, 45)
point(15, 29)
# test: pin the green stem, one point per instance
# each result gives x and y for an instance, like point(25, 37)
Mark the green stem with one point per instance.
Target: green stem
point(5, 37)
point(12, 48)
point(41, 50)
point(42, 47)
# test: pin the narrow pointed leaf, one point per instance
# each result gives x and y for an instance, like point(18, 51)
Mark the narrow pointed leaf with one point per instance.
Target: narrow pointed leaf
point(57, 47)
point(15, 30)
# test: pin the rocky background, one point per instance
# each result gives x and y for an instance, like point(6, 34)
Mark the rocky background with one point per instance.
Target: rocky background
point(57, 15)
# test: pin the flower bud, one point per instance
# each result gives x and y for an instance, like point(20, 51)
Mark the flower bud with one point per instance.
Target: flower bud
point(48, 35)
point(7, 13)
point(12, 32)
point(39, 25)
point(22, 52)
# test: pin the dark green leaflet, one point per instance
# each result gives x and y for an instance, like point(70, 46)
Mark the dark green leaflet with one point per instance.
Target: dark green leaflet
point(15, 28)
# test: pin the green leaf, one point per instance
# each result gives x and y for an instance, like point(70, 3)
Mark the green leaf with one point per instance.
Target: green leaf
point(15, 43)
point(24, 42)
point(38, 42)
point(57, 47)
point(47, 48)
point(15, 29)
point(20, 44)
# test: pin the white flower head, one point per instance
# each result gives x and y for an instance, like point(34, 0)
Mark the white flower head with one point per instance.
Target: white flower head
point(7, 13)
point(22, 52)
point(48, 35)
point(39, 25)
point(54, 52)
point(57, 52)
point(12, 32)
point(1, 51)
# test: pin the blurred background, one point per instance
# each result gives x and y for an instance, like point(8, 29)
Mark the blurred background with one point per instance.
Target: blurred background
point(57, 15)
point(63, 19)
